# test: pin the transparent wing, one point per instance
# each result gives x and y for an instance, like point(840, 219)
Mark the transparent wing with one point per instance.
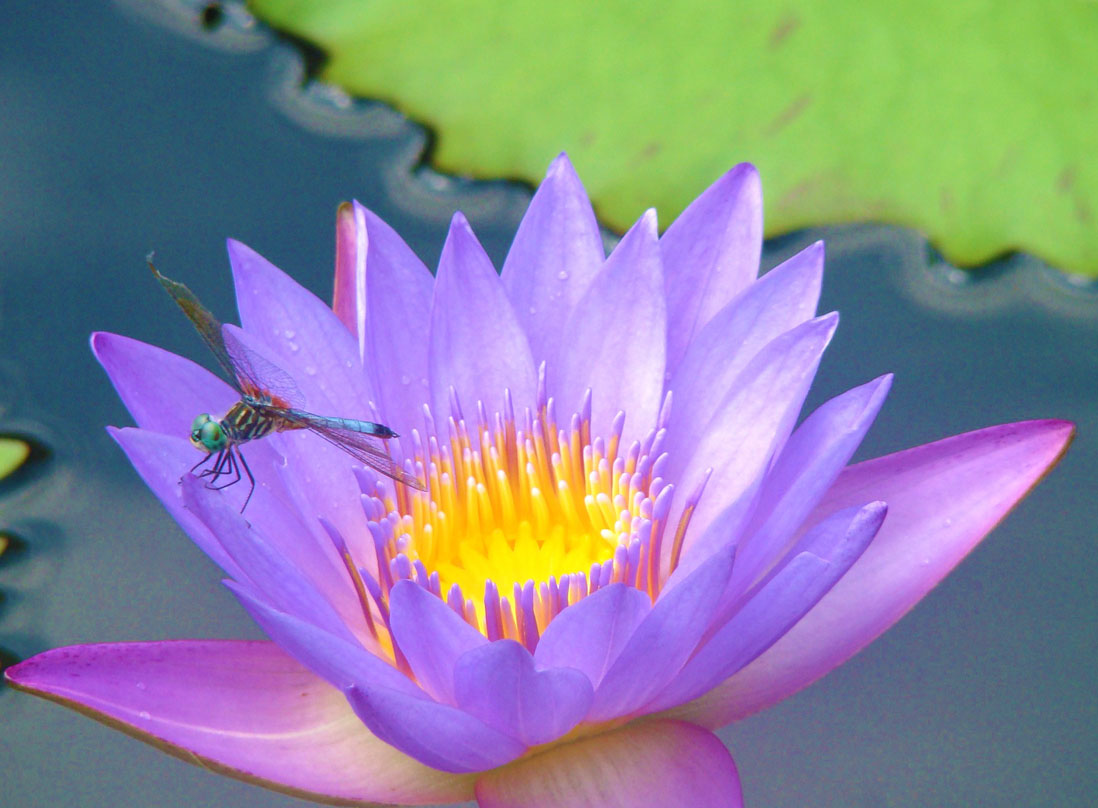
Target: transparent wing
point(259, 379)
point(207, 326)
point(360, 439)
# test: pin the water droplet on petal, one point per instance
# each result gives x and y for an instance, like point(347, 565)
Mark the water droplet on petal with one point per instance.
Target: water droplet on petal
point(288, 334)
point(405, 380)
point(533, 310)
point(310, 369)
point(562, 275)
point(294, 347)
point(144, 714)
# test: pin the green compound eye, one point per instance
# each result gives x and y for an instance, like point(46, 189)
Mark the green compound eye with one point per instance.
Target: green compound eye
point(206, 434)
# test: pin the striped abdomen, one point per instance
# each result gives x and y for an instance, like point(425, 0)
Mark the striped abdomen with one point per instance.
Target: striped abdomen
point(244, 422)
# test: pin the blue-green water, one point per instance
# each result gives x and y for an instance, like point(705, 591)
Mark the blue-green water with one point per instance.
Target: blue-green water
point(124, 131)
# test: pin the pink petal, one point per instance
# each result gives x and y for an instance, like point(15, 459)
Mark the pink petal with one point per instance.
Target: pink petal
point(711, 253)
point(617, 336)
point(498, 683)
point(431, 636)
point(942, 499)
point(244, 709)
point(589, 635)
point(663, 641)
point(349, 292)
point(750, 425)
point(441, 736)
point(477, 343)
point(398, 310)
point(163, 392)
point(653, 764)
point(556, 254)
point(783, 298)
point(823, 556)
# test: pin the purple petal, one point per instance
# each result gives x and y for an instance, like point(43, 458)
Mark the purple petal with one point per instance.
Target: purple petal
point(711, 253)
point(477, 343)
point(162, 461)
point(165, 392)
point(942, 499)
point(265, 569)
point(441, 736)
point(341, 662)
point(318, 476)
point(644, 765)
point(244, 709)
point(783, 298)
point(497, 683)
point(752, 422)
point(824, 555)
point(398, 310)
point(808, 465)
point(663, 641)
point(556, 254)
point(617, 333)
point(589, 635)
point(301, 335)
point(431, 636)
point(162, 391)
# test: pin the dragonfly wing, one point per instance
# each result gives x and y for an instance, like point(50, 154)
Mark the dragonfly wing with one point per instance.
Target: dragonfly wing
point(257, 377)
point(360, 439)
point(207, 326)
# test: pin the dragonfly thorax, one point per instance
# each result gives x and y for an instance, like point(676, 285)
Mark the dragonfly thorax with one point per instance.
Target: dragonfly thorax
point(207, 434)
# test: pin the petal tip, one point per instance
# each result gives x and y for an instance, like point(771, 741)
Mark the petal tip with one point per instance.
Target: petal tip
point(100, 341)
point(561, 166)
point(742, 181)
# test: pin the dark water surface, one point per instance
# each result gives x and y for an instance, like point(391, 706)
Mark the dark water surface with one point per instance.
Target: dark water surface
point(125, 130)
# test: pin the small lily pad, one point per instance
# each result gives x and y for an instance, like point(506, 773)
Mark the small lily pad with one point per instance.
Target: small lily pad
point(974, 122)
point(12, 454)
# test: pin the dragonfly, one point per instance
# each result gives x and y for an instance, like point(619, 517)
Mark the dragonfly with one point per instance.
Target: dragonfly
point(269, 402)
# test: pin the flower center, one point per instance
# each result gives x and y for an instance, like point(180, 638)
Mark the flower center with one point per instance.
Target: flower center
point(522, 518)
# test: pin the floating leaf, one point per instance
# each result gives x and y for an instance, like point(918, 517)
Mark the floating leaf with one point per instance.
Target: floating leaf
point(12, 454)
point(975, 122)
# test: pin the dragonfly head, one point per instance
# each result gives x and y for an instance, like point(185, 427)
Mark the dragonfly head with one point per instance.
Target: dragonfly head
point(207, 434)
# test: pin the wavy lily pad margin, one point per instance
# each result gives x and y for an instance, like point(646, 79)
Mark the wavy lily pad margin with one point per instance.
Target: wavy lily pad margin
point(975, 122)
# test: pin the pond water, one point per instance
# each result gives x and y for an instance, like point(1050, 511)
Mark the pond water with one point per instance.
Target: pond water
point(130, 127)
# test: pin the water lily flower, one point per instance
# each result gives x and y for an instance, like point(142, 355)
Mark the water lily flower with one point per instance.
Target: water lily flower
point(627, 540)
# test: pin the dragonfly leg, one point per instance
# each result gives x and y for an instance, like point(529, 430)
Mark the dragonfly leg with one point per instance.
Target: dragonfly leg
point(203, 461)
point(221, 465)
point(251, 479)
point(225, 467)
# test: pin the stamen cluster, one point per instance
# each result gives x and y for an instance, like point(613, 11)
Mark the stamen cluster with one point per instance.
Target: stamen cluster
point(522, 518)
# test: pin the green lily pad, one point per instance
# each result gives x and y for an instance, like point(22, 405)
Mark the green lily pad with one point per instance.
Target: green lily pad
point(12, 454)
point(974, 122)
